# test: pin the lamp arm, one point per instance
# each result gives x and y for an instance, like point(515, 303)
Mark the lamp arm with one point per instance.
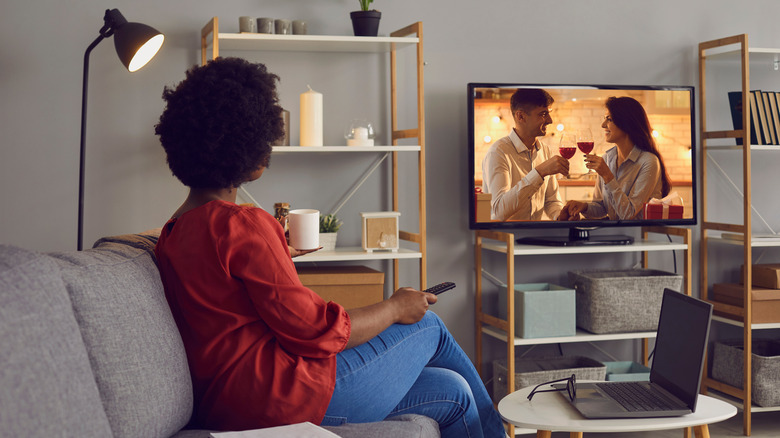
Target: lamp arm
point(82, 150)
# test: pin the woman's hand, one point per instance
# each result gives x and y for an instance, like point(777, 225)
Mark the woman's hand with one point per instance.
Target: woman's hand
point(294, 252)
point(411, 304)
point(571, 211)
point(593, 161)
point(405, 306)
point(299, 252)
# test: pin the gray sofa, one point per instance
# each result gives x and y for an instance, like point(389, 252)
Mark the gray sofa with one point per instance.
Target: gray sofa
point(88, 348)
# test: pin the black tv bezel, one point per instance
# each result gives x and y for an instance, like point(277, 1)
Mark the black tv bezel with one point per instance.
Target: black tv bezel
point(584, 224)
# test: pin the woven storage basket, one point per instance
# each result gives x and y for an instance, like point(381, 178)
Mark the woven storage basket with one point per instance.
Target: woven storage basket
point(625, 300)
point(727, 367)
point(529, 372)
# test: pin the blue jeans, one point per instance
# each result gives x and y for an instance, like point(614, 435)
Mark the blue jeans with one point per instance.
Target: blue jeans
point(419, 369)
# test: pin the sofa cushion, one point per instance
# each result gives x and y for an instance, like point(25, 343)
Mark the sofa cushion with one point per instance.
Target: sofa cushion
point(46, 383)
point(401, 426)
point(407, 426)
point(134, 346)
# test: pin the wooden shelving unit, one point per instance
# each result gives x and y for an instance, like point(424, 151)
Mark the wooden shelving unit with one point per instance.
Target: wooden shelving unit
point(504, 329)
point(213, 42)
point(723, 50)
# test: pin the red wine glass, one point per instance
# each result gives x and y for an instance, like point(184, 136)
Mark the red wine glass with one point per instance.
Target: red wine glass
point(567, 147)
point(585, 142)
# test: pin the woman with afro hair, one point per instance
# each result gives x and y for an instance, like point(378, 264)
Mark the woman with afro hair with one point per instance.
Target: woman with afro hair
point(264, 350)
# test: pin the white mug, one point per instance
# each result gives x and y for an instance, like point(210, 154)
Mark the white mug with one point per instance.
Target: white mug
point(304, 228)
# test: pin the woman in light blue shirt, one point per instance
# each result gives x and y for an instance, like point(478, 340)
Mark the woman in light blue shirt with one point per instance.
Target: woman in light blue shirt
point(631, 173)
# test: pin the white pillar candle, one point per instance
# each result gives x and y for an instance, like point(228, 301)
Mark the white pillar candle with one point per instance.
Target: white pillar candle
point(311, 118)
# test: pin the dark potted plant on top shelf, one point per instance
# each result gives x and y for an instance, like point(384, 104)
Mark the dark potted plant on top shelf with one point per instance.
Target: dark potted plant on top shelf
point(365, 22)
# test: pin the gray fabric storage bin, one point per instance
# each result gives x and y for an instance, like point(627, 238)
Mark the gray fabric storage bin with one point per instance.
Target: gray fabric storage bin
point(623, 300)
point(530, 372)
point(541, 310)
point(727, 367)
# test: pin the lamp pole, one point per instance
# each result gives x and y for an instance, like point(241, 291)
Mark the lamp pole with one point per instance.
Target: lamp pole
point(82, 150)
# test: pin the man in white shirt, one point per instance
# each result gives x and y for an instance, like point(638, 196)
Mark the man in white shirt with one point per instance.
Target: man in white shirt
point(518, 170)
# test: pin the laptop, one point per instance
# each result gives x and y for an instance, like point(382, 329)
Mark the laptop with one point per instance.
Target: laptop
point(675, 375)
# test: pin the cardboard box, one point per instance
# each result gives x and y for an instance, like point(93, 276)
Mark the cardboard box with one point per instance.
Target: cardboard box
point(542, 310)
point(350, 286)
point(766, 302)
point(663, 211)
point(767, 276)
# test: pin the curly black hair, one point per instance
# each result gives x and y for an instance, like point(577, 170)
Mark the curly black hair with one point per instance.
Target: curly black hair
point(219, 123)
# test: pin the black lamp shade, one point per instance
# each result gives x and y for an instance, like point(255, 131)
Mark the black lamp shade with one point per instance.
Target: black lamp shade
point(136, 44)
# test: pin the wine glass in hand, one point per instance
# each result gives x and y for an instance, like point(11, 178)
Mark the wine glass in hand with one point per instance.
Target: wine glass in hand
point(585, 142)
point(566, 147)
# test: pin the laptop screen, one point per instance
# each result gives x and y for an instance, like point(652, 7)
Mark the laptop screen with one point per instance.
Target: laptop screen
point(683, 330)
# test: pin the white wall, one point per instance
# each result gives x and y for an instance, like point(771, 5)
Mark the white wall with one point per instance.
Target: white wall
point(130, 188)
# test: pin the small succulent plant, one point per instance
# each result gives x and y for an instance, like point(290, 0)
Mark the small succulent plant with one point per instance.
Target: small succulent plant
point(329, 223)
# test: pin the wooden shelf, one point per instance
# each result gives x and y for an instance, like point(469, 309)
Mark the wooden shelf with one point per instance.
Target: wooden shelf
point(581, 336)
point(344, 254)
point(722, 50)
point(504, 329)
point(311, 43)
point(753, 147)
point(640, 246)
point(349, 149)
point(738, 403)
point(756, 242)
point(756, 54)
point(212, 41)
point(729, 321)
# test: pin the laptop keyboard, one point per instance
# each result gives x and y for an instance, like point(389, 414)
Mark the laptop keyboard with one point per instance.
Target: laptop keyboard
point(636, 397)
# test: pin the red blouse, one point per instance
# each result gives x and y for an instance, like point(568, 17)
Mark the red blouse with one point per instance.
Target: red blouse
point(261, 346)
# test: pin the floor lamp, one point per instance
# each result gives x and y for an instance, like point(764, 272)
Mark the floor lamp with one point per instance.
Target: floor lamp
point(135, 45)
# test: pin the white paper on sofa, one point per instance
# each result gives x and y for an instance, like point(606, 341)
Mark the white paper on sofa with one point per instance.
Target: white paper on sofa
point(300, 430)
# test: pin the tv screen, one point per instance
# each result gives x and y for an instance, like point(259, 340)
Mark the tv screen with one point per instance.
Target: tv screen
point(502, 194)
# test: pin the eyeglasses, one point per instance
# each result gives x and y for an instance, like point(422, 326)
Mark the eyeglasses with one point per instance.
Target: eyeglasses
point(570, 387)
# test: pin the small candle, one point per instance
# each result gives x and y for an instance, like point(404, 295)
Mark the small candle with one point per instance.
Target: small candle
point(311, 118)
point(360, 133)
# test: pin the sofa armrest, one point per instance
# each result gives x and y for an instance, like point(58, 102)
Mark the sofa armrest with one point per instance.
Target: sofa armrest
point(144, 241)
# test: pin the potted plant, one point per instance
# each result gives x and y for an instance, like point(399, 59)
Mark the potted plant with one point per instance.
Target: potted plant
point(329, 227)
point(365, 22)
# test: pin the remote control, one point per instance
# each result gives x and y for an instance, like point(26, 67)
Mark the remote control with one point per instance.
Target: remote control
point(441, 287)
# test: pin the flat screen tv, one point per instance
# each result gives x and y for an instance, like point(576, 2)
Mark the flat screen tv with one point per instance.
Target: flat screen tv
point(670, 111)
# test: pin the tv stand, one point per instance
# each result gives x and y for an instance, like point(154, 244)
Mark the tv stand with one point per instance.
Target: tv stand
point(503, 243)
point(577, 237)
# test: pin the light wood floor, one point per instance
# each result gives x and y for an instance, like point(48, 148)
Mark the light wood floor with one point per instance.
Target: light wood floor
point(765, 425)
